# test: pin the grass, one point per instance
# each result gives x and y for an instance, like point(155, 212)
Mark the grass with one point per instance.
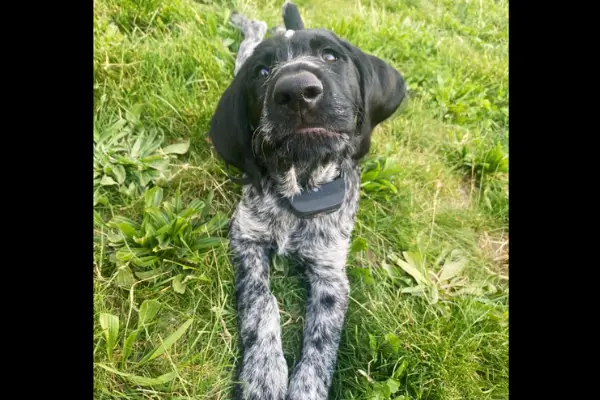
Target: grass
point(429, 264)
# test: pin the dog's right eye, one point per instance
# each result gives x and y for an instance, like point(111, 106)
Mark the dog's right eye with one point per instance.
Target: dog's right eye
point(263, 71)
point(329, 56)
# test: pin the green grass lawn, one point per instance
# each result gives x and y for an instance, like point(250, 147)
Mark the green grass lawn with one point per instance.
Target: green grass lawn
point(428, 314)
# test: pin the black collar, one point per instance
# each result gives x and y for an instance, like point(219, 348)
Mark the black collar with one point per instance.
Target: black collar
point(325, 199)
point(328, 198)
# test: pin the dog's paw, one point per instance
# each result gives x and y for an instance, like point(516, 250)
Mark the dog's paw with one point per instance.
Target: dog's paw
point(265, 380)
point(308, 382)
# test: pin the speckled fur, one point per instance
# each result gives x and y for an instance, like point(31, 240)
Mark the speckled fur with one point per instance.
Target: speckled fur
point(263, 223)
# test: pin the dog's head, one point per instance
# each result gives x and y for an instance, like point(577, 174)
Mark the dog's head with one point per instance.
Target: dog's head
point(305, 96)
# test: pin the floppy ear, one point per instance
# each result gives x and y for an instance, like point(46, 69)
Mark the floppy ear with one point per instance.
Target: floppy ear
point(382, 90)
point(230, 132)
point(291, 16)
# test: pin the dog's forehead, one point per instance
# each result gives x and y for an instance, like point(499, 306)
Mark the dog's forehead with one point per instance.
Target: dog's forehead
point(308, 35)
point(309, 38)
point(296, 41)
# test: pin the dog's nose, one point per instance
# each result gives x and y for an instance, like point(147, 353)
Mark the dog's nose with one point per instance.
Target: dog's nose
point(302, 89)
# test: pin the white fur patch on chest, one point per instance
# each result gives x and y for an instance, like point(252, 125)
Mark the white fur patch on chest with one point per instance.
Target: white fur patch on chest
point(289, 183)
point(325, 173)
point(289, 33)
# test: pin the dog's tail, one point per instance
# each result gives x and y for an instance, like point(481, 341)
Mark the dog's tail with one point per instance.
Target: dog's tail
point(291, 16)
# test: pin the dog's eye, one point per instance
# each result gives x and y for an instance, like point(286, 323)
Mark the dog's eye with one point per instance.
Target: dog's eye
point(263, 71)
point(329, 56)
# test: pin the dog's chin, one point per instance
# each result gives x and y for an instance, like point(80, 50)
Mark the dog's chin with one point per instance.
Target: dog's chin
point(312, 144)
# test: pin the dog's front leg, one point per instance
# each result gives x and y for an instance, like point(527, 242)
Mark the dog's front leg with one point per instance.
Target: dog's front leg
point(264, 372)
point(326, 308)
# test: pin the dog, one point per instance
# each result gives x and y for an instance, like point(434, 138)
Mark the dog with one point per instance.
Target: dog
point(296, 120)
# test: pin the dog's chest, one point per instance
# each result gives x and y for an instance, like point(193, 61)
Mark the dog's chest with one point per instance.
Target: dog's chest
point(267, 219)
point(285, 232)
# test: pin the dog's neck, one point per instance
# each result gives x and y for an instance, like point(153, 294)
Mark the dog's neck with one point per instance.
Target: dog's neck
point(297, 178)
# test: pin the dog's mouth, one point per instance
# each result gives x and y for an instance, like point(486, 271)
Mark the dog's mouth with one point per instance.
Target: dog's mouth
point(315, 130)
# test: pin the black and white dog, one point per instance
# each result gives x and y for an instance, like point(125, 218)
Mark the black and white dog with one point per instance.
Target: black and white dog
point(297, 117)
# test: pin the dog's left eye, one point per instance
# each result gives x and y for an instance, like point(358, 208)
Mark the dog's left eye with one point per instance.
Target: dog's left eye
point(263, 71)
point(329, 56)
